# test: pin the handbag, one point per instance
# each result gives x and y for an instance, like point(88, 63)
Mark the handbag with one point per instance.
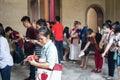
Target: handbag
point(47, 74)
point(115, 55)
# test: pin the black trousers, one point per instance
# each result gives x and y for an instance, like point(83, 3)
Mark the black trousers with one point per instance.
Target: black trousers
point(32, 68)
point(111, 64)
point(59, 46)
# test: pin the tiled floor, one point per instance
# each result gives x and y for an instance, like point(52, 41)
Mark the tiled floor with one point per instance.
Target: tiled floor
point(71, 71)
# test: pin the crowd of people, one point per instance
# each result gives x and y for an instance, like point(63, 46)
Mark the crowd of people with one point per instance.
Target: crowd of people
point(51, 43)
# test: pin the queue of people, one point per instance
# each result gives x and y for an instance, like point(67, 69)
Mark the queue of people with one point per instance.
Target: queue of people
point(52, 43)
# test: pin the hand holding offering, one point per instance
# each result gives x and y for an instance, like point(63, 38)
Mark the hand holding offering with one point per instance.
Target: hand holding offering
point(32, 57)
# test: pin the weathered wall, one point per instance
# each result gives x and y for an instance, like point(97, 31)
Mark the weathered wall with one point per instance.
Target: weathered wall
point(72, 10)
point(113, 10)
point(92, 19)
point(11, 12)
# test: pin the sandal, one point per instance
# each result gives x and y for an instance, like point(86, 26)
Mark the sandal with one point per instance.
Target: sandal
point(85, 67)
point(94, 70)
point(81, 66)
point(98, 71)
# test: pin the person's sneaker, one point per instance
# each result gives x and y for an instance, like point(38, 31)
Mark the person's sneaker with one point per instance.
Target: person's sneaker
point(62, 62)
point(105, 76)
point(109, 78)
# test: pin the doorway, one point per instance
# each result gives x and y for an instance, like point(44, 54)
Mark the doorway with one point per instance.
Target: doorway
point(94, 17)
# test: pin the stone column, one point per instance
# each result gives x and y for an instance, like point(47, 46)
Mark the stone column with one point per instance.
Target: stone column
point(46, 10)
point(38, 1)
point(52, 10)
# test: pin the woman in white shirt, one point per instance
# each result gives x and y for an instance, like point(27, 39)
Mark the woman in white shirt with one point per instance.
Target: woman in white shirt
point(6, 60)
point(49, 56)
point(113, 41)
point(66, 42)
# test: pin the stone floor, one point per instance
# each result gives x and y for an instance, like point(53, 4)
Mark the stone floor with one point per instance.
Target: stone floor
point(71, 71)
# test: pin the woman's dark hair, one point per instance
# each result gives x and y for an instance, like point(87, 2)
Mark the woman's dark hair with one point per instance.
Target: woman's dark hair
point(44, 31)
point(52, 23)
point(89, 31)
point(66, 30)
point(108, 22)
point(2, 32)
point(115, 23)
point(57, 18)
point(107, 25)
point(25, 18)
point(49, 24)
point(41, 22)
point(117, 28)
point(8, 29)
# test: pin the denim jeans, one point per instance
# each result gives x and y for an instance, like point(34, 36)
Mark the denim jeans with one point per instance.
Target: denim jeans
point(59, 46)
point(6, 72)
point(19, 54)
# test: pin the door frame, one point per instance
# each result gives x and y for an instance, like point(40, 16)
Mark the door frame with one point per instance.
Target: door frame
point(100, 14)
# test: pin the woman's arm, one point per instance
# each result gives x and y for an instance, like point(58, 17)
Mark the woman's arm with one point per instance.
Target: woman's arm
point(102, 41)
point(108, 47)
point(35, 42)
point(86, 46)
point(40, 65)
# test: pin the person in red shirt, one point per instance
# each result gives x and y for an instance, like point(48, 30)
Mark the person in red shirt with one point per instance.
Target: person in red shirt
point(15, 39)
point(57, 29)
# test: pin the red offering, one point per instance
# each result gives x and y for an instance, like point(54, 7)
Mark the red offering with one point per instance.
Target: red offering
point(32, 57)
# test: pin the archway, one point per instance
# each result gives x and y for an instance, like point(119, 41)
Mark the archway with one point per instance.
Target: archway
point(94, 17)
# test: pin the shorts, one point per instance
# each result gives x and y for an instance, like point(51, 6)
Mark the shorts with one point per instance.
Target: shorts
point(118, 61)
point(87, 52)
point(83, 45)
point(65, 46)
point(90, 48)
